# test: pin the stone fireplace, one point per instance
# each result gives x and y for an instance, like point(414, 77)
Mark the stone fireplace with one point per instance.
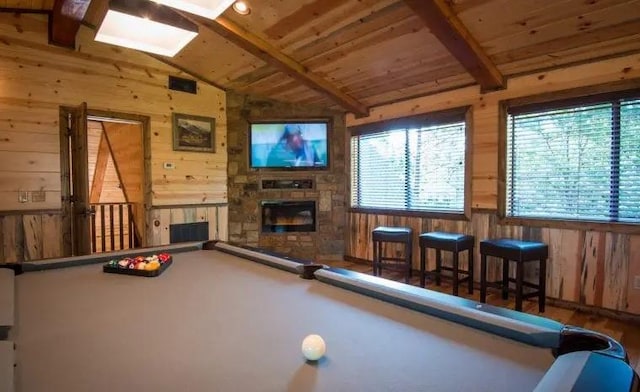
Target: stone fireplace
point(296, 228)
point(288, 216)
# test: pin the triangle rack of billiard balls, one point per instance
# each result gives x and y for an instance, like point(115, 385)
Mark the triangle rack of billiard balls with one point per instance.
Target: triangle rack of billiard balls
point(148, 266)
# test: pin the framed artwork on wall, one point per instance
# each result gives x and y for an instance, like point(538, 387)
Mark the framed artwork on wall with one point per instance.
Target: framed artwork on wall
point(193, 133)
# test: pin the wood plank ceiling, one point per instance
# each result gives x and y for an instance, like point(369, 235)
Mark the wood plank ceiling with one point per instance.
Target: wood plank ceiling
point(354, 54)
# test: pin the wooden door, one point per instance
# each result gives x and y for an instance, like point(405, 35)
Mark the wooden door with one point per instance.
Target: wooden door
point(75, 176)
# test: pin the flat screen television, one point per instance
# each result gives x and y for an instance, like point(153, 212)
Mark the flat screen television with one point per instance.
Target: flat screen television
point(294, 144)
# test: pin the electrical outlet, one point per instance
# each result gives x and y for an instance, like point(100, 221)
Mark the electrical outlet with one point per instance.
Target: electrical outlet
point(169, 165)
point(23, 197)
point(636, 282)
point(38, 196)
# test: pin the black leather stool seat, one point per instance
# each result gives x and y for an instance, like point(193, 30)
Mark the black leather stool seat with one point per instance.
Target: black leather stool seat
point(383, 234)
point(519, 252)
point(451, 242)
point(515, 249)
point(392, 234)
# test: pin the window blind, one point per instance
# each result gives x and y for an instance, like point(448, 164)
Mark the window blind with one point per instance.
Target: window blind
point(417, 169)
point(580, 162)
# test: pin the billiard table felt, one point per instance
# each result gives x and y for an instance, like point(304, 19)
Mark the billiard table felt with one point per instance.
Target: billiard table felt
point(7, 301)
point(216, 322)
point(6, 366)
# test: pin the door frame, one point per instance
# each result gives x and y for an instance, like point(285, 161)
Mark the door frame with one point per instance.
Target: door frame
point(65, 168)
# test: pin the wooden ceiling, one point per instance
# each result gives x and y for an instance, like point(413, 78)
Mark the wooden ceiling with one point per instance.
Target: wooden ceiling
point(354, 54)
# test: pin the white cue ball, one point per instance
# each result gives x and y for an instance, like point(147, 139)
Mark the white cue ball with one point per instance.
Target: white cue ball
point(313, 347)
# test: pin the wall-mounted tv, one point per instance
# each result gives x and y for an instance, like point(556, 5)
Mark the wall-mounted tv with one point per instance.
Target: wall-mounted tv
point(289, 144)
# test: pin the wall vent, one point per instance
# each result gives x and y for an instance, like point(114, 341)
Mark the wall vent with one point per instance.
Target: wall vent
point(186, 232)
point(184, 85)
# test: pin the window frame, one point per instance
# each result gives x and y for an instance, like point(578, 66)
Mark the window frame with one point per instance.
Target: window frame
point(559, 99)
point(464, 114)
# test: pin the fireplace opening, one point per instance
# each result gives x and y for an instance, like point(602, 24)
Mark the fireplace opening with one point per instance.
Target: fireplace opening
point(288, 216)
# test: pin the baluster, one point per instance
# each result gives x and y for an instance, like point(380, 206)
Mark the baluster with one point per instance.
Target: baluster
point(112, 231)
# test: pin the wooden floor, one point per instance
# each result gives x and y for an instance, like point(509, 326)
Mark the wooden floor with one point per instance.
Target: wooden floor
point(626, 333)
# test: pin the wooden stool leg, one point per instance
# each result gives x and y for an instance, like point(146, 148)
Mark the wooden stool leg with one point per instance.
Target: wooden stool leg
point(375, 258)
point(483, 278)
point(455, 273)
point(505, 278)
point(438, 266)
point(407, 262)
point(542, 281)
point(470, 270)
point(519, 288)
point(422, 266)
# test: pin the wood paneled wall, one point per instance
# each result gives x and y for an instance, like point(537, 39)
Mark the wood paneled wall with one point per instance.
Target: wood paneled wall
point(111, 190)
point(38, 78)
point(162, 217)
point(486, 116)
point(586, 267)
point(30, 236)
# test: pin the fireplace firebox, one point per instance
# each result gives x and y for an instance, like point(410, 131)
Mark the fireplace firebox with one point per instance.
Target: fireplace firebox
point(288, 216)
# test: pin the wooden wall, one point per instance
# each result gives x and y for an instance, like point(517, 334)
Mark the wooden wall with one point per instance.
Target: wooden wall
point(30, 236)
point(162, 217)
point(36, 79)
point(587, 267)
point(111, 190)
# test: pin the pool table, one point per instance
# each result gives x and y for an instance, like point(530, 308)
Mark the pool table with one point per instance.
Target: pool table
point(232, 318)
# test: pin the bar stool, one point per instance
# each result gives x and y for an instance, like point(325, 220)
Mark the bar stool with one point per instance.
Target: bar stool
point(383, 235)
point(520, 252)
point(451, 242)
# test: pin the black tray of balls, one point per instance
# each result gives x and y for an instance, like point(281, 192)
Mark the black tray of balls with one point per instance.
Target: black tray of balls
point(147, 266)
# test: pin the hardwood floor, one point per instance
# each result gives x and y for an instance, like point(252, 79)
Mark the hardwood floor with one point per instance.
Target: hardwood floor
point(626, 333)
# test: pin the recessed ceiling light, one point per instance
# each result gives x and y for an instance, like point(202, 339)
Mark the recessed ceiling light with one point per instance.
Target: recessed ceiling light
point(241, 7)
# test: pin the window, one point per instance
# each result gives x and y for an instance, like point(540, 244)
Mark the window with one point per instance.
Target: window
point(575, 160)
point(410, 165)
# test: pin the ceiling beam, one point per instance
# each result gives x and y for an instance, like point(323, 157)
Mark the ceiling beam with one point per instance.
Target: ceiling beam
point(65, 20)
point(451, 32)
point(270, 54)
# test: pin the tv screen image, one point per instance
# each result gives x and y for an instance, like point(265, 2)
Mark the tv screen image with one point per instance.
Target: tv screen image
point(289, 145)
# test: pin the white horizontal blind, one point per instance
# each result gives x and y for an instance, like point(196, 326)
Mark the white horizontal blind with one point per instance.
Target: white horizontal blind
point(629, 189)
point(417, 169)
point(437, 175)
point(381, 173)
point(578, 163)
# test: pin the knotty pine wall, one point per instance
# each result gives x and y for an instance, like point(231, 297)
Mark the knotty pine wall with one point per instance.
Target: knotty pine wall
point(587, 267)
point(36, 79)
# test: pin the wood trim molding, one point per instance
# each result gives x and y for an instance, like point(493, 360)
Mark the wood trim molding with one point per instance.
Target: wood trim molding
point(270, 54)
point(451, 32)
point(170, 206)
point(432, 118)
point(30, 212)
point(418, 214)
point(65, 20)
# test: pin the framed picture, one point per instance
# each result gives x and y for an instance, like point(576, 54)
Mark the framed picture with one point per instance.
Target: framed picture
point(193, 133)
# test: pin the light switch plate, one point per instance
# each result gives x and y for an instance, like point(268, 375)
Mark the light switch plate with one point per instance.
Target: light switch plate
point(636, 282)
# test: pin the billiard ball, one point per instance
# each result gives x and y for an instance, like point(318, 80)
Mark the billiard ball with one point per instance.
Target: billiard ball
point(313, 347)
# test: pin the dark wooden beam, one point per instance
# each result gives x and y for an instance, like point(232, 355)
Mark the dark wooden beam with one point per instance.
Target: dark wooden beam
point(449, 30)
point(270, 54)
point(65, 20)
